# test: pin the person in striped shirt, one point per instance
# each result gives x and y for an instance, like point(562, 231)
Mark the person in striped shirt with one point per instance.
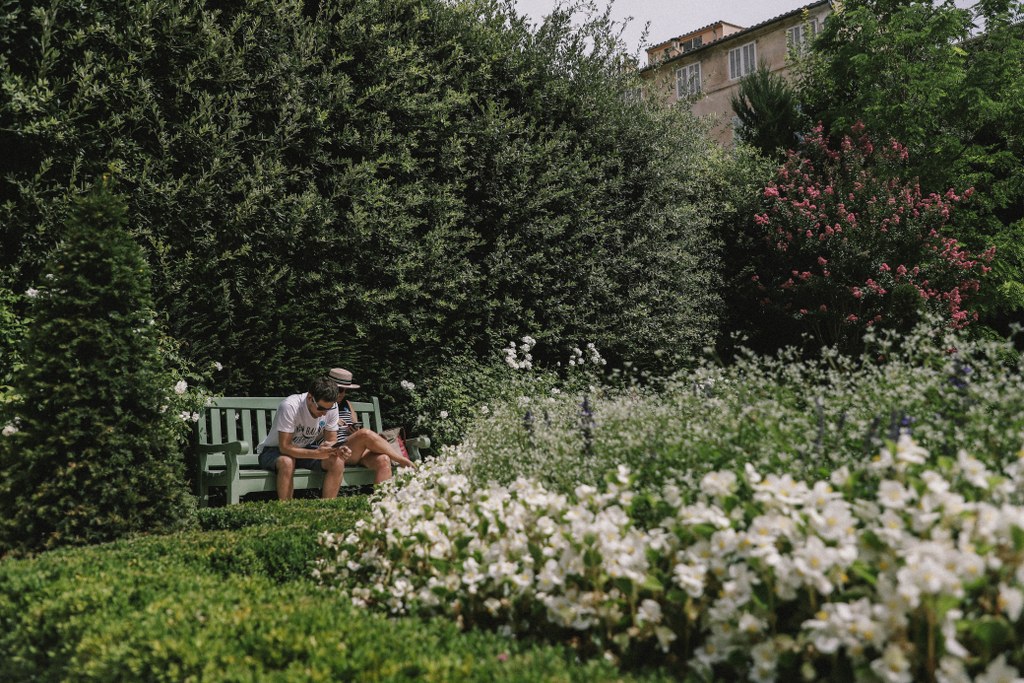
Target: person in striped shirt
point(366, 447)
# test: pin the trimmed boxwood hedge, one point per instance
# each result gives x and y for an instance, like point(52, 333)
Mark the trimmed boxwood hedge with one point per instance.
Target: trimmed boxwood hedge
point(234, 604)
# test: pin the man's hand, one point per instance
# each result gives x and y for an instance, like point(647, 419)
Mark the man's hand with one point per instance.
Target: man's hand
point(342, 451)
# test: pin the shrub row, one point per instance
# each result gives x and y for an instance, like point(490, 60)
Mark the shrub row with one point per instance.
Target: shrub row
point(235, 604)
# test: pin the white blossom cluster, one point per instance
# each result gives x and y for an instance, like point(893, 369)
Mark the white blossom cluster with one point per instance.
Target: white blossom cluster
point(519, 357)
point(593, 356)
point(909, 567)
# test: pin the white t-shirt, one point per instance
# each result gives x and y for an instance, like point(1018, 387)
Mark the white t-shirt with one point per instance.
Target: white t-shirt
point(293, 417)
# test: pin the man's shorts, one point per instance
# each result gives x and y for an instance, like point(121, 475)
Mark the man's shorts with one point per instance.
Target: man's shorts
point(270, 454)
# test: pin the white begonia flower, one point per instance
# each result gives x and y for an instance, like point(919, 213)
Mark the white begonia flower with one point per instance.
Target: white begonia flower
point(1010, 601)
point(783, 489)
point(720, 483)
point(665, 637)
point(952, 670)
point(750, 624)
point(973, 470)
point(840, 476)
point(218, 365)
point(181, 387)
point(690, 578)
point(909, 452)
point(893, 494)
point(765, 658)
point(835, 522)
point(10, 429)
point(493, 606)
point(649, 612)
point(31, 292)
point(893, 666)
point(998, 671)
point(813, 561)
point(821, 494)
point(484, 410)
point(407, 385)
point(891, 527)
point(672, 495)
point(882, 462)
point(443, 414)
point(185, 416)
point(952, 645)
point(934, 481)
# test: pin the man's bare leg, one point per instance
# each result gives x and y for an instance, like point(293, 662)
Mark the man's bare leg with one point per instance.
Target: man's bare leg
point(285, 484)
point(334, 472)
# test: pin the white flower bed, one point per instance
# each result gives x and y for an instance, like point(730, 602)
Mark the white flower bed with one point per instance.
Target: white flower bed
point(910, 568)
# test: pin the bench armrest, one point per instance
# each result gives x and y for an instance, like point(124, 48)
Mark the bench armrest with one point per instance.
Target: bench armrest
point(413, 446)
point(231, 450)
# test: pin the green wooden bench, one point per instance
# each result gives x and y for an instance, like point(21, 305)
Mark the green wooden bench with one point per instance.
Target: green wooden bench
point(232, 427)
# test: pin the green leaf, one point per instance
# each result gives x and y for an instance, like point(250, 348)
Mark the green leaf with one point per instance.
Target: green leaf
point(993, 632)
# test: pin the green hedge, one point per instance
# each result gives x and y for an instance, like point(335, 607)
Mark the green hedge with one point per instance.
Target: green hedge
point(429, 178)
point(236, 605)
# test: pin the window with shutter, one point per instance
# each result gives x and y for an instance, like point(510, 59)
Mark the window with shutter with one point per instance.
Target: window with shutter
point(742, 60)
point(688, 80)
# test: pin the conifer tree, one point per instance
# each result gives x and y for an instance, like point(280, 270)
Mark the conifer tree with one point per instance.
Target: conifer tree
point(95, 455)
point(766, 106)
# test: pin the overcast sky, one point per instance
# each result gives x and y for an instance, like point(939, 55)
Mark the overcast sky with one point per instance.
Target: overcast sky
point(671, 18)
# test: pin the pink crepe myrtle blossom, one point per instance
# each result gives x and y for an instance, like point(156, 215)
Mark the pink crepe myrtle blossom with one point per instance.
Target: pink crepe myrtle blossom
point(845, 206)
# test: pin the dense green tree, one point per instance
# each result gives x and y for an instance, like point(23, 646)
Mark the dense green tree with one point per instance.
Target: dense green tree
point(767, 108)
point(379, 184)
point(95, 450)
point(844, 245)
point(910, 70)
point(12, 332)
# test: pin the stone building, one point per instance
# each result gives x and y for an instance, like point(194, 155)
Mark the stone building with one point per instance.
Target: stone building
point(705, 66)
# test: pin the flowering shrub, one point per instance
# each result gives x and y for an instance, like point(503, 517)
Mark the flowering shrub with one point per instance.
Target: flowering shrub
point(850, 245)
point(909, 567)
point(782, 413)
point(447, 402)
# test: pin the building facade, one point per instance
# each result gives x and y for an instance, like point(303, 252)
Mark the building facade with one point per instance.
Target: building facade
point(704, 67)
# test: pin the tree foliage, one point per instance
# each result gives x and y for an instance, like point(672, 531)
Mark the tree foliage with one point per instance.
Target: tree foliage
point(911, 70)
point(767, 108)
point(95, 451)
point(844, 244)
point(369, 183)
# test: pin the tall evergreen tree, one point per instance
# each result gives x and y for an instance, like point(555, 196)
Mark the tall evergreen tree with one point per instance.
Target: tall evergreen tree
point(766, 106)
point(96, 453)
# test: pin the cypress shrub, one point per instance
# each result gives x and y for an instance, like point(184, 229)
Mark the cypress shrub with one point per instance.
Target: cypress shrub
point(97, 452)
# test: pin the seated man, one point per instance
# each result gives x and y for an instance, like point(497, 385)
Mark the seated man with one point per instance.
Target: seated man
point(367, 447)
point(305, 434)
